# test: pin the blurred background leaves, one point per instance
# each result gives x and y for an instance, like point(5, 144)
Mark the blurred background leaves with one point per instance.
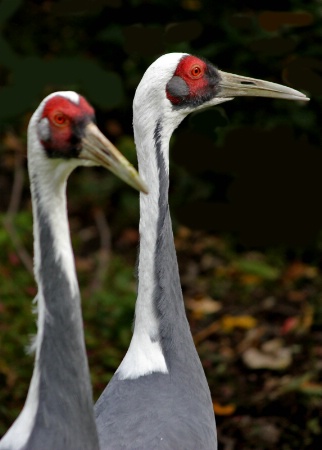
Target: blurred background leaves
point(245, 200)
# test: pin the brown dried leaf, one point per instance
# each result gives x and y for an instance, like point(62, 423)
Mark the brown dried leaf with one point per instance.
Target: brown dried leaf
point(204, 305)
point(224, 410)
point(228, 323)
point(272, 356)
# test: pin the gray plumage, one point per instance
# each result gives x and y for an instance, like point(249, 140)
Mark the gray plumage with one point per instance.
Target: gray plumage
point(159, 397)
point(58, 412)
point(161, 411)
point(68, 401)
point(157, 411)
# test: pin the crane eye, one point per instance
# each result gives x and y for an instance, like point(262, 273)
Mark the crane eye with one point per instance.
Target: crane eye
point(196, 71)
point(60, 119)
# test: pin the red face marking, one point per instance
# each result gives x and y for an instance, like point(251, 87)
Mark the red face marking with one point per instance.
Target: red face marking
point(66, 121)
point(67, 108)
point(193, 82)
point(192, 70)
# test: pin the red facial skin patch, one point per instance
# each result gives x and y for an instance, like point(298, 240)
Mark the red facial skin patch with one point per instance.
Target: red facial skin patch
point(63, 116)
point(69, 108)
point(192, 70)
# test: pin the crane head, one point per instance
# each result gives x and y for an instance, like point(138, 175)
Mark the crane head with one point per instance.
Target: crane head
point(196, 82)
point(66, 131)
point(179, 83)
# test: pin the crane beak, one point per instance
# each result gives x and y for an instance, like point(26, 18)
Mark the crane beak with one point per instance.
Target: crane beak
point(232, 85)
point(97, 149)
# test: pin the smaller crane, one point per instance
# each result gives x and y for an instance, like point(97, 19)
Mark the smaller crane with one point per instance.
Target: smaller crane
point(58, 412)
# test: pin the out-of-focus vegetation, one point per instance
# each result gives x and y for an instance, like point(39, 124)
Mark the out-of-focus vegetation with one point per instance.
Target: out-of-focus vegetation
point(245, 201)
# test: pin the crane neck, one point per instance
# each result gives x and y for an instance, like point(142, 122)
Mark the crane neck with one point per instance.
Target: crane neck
point(160, 319)
point(59, 408)
point(48, 191)
point(165, 294)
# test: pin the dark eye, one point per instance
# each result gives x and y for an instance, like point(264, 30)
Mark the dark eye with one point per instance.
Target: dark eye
point(61, 120)
point(196, 71)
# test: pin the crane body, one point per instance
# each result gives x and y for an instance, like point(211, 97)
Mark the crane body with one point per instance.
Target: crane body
point(58, 412)
point(159, 397)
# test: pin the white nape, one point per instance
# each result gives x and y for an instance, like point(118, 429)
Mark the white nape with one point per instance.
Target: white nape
point(142, 358)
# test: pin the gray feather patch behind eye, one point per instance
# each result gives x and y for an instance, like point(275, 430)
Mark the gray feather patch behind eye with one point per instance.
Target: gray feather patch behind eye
point(44, 129)
point(177, 87)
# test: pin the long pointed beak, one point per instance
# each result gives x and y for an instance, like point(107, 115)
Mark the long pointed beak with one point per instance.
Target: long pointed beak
point(97, 149)
point(232, 85)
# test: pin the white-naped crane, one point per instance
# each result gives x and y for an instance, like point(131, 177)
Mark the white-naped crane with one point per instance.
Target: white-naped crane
point(159, 397)
point(58, 412)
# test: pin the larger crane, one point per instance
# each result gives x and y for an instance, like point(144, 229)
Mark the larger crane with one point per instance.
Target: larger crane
point(58, 412)
point(159, 397)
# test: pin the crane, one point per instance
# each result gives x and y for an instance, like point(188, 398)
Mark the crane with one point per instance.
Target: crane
point(159, 397)
point(58, 412)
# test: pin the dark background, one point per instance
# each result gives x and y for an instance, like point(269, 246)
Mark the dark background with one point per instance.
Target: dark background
point(245, 200)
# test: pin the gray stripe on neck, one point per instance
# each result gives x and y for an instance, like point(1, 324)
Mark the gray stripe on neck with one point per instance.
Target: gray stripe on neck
point(163, 207)
point(64, 418)
point(168, 298)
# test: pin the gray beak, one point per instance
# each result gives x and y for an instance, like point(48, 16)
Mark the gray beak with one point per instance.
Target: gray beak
point(97, 149)
point(232, 85)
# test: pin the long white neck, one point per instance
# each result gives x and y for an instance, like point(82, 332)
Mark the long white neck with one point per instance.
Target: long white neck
point(51, 239)
point(48, 189)
point(59, 401)
point(152, 132)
